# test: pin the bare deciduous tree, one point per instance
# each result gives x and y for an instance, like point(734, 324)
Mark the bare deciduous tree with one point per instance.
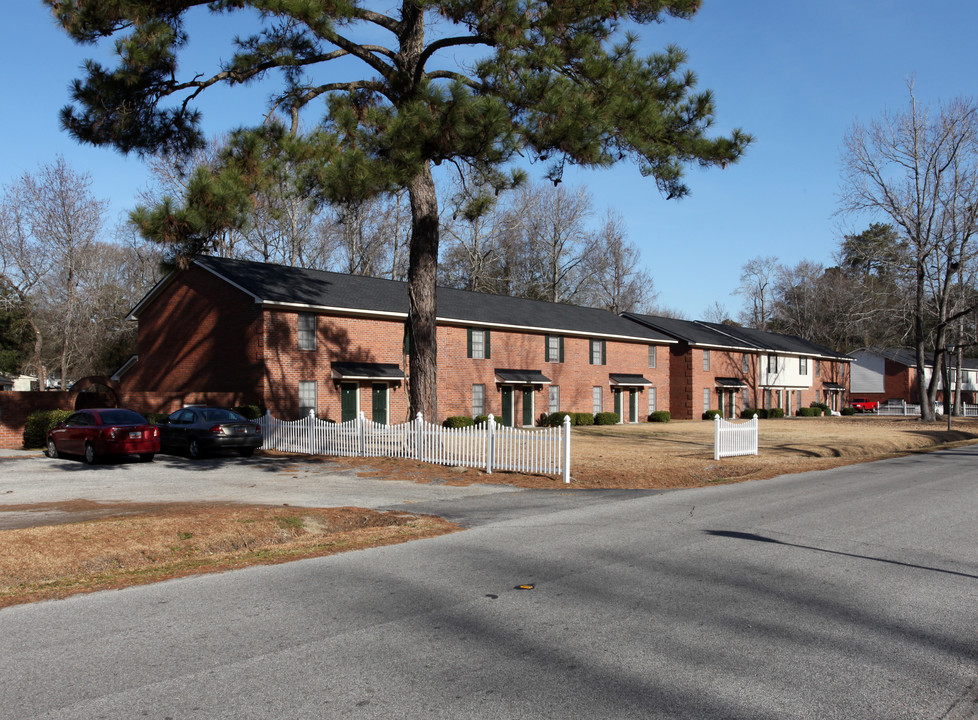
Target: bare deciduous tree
point(919, 169)
point(757, 279)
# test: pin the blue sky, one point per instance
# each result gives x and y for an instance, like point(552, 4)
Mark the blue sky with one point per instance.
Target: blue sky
point(794, 74)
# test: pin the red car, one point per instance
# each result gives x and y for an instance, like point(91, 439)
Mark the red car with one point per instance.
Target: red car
point(99, 432)
point(863, 405)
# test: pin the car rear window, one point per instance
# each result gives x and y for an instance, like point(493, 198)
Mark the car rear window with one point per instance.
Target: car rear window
point(122, 417)
point(218, 415)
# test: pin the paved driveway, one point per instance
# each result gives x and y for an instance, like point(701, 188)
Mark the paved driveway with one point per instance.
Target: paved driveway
point(28, 478)
point(846, 594)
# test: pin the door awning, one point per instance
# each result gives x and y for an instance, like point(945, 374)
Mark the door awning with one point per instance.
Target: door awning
point(521, 377)
point(388, 372)
point(728, 382)
point(626, 380)
point(833, 386)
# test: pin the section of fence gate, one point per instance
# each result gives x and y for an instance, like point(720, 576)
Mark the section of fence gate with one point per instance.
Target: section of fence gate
point(489, 446)
point(898, 408)
point(733, 438)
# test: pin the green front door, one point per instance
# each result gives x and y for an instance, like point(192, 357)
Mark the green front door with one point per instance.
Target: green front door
point(617, 393)
point(348, 401)
point(633, 406)
point(507, 406)
point(379, 395)
point(527, 407)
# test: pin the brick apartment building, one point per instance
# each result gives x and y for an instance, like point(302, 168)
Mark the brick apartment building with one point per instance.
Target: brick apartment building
point(885, 374)
point(730, 368)
point(295, 340)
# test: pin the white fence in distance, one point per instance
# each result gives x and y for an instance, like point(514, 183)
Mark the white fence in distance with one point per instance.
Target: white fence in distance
point(734, 438)
point(488, 446)
point(898, 409)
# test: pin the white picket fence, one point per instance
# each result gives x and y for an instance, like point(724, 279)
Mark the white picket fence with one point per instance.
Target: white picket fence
point(901, 409)
point(734, 438)
point(488, 446)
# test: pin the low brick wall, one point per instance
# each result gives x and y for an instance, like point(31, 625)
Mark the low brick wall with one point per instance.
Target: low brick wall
point(15, 407)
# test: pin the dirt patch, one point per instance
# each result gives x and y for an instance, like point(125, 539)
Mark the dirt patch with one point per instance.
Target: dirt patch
point(138, 544)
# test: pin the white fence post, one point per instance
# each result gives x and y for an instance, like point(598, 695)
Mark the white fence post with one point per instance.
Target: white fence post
point(361, 434)
point(565, 438)
point(311, 420)
point(716, 437)
point(419, 437)
point(490, 443)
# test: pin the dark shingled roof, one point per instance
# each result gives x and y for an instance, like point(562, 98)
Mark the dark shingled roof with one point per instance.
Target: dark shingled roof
point(626, 379)
point(707, 334)
point(318, 289)
point(368, 370)
point(522, 377)
point(730, 382)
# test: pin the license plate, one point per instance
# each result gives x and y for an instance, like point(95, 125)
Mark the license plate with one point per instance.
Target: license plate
point(135, 434)
point(241, 431)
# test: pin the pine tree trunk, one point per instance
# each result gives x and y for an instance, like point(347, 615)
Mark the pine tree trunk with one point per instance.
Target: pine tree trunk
point(422, 275)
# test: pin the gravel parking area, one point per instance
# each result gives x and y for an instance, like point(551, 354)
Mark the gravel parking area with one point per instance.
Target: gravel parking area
point(33, 486)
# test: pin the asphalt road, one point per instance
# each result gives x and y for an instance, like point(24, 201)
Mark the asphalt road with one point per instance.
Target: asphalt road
point(848, 593)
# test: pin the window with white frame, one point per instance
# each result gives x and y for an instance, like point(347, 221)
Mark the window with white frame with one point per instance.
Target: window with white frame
point(307, 331)
point(554, 398)
point(598, 352)
point(651, 356)
point(478, 344)
point(745, 363)
point(651, 400)
point(706, 399)
point(772, 364)
point(745, 400)
point(706, 360)
point(307, 397)
point(555, 348)
point(478, 400)
point(818, 367)
point(596, 399)
point(803, 366)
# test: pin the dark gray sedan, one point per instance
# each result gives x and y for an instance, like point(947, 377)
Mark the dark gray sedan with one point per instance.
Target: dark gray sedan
point(197, 430)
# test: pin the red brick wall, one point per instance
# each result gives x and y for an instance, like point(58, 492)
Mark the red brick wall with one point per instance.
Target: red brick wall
point(346, 339)
point(339, 339)
point(199, 334)
point(575, 377)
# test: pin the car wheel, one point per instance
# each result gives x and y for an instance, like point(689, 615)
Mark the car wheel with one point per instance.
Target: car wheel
point(146, 457)
point(90, 457)
point(193, 449)
point(52, 448)
point(246, 452)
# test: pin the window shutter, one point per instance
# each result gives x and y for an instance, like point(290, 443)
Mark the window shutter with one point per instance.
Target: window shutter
point(604, 352)
point(546, 348)
point(485, 335)
point(561, 342)
point(468, 346)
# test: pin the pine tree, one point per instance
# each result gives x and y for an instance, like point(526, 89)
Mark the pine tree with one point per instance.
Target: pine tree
point(559, 82)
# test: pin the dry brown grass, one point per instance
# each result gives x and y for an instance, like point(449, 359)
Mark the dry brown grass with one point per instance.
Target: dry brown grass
point(680, 454)
point(141, 545)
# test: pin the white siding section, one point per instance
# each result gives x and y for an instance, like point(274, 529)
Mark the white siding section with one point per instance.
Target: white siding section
point(868, 373)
